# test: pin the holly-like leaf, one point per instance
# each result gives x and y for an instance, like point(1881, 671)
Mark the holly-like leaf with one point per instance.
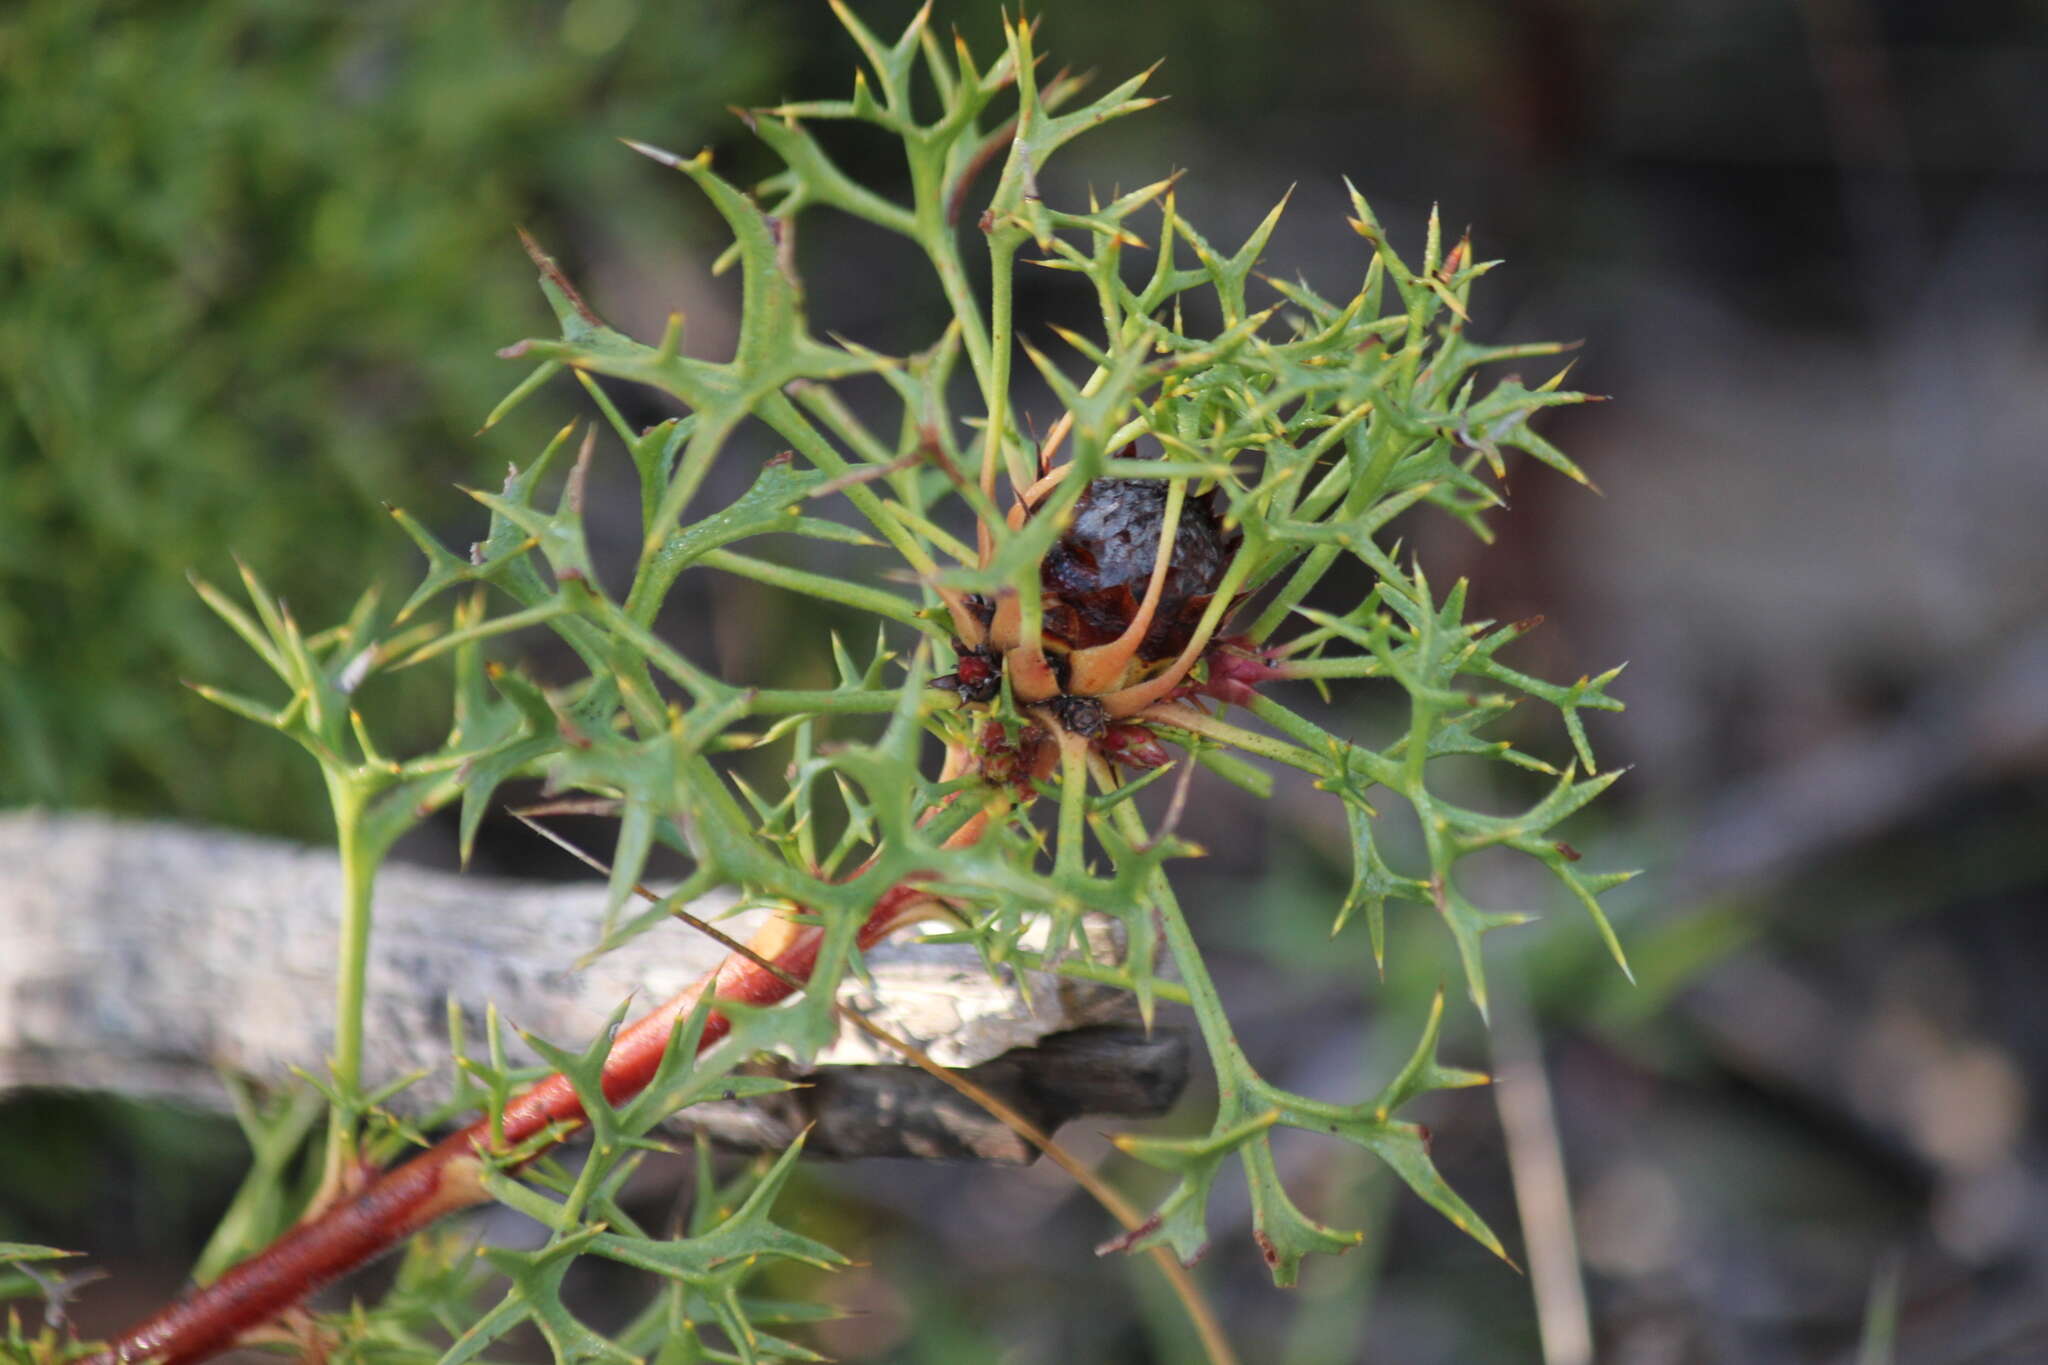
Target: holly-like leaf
point(1181, 1221)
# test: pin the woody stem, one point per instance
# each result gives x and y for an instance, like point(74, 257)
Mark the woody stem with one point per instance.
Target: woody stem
point(448, 1176)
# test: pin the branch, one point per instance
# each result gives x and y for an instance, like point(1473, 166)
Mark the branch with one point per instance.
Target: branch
point(91, 999)
point(385, 1209)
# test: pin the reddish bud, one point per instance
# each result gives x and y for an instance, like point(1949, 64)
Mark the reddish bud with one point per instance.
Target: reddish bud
point(999, 765)
point(1038, 756)
point(978, 678)
point(1235, 674)
point(978, 673)
point(1134, 746)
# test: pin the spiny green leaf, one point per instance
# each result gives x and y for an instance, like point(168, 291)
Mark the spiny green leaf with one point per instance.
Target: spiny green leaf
point(1181, 1221)
point(1284, 1233)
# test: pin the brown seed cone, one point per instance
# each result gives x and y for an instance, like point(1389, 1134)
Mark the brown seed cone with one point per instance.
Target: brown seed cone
point(1096, 574)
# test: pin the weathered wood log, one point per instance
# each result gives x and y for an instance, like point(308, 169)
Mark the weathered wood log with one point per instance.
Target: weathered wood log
point(855, 1111)
point(143, 958)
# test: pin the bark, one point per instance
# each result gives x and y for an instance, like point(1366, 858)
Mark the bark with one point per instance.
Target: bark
point(144, 957)
point(51, 974)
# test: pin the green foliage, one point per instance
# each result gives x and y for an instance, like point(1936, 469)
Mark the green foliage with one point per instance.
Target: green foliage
point(1319, 426)
point(239, 250)
point(727, 1243)
point(26, 1272)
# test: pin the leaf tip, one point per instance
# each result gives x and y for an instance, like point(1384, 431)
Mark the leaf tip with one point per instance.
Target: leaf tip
point(652, 153)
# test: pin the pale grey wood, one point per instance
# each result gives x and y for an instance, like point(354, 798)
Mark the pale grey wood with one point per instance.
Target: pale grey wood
point(144, 957)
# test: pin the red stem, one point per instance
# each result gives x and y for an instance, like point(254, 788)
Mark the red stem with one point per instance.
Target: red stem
point(447, 1176)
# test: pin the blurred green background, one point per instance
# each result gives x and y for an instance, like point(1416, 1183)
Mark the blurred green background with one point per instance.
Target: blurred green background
point(255, 260)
